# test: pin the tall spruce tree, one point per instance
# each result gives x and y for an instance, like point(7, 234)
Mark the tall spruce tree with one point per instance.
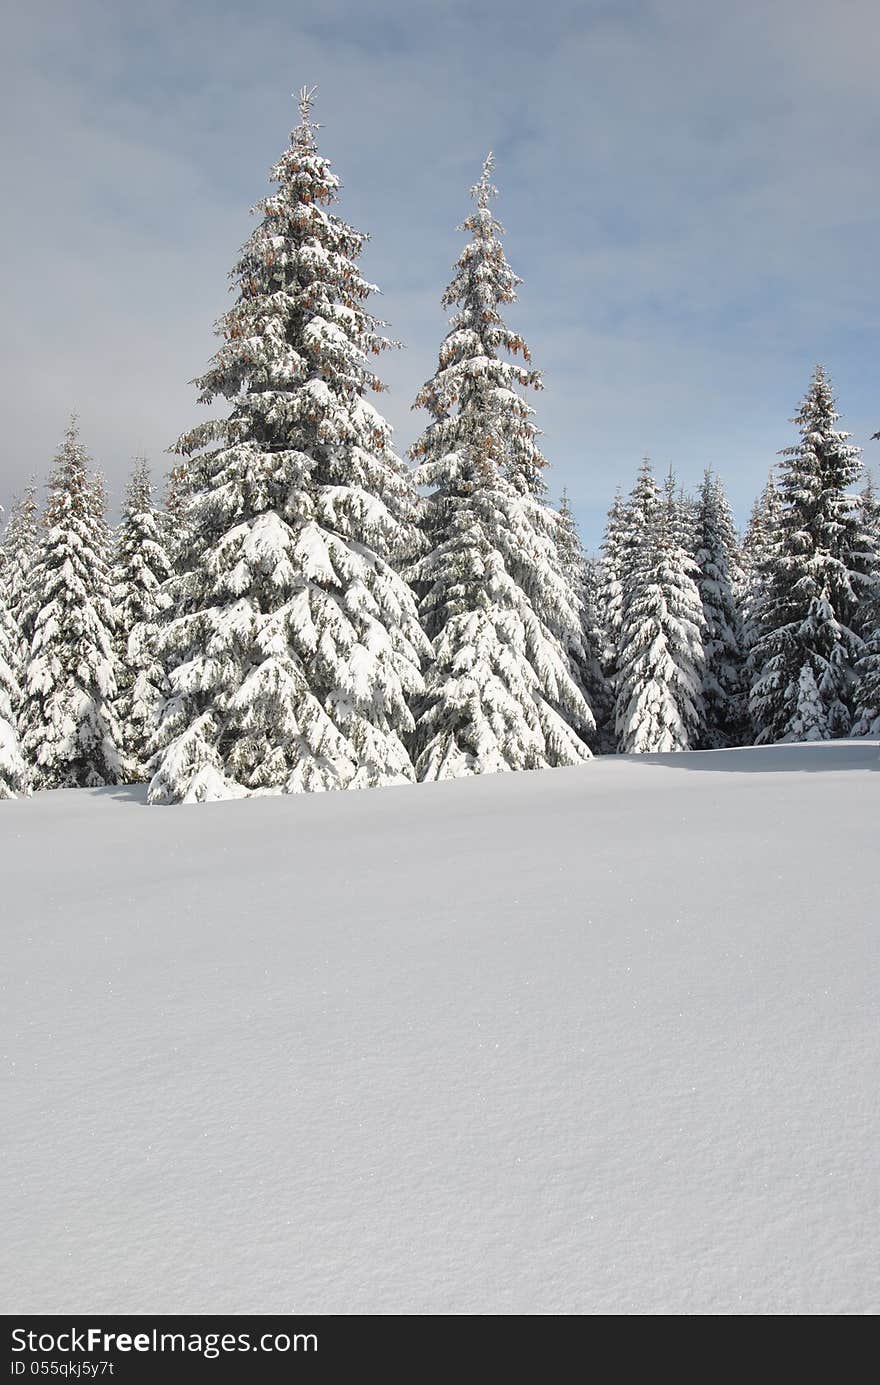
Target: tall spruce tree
point(295, 646)
point(503, 618)
point(141, 578)
point(659, 703)
point(14, 775)
point(818, 585)
point(718, 579)
point(70, 732)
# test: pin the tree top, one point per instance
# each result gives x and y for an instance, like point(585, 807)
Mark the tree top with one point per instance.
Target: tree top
point(304, 134)
point(483, 191)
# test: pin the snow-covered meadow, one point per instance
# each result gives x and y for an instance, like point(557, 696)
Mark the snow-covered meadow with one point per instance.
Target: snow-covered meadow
point(595, 1040)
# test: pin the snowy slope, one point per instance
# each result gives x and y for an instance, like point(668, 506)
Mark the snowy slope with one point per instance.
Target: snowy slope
point(597, 1040)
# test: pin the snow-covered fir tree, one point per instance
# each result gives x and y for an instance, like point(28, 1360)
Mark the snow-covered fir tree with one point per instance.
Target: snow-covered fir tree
point(500, 691)
point(14, 775)
point(295, 648)
point(718, 579)
point(553, 585)
point(609, 605)
point(759, 548)
point(682, 511)
point(869, 513)
point(585, 653)
point(21, 539)
point(659, 703)
point(141, 597)
point(609, 574)
point(867, 691)
point(688, 519)
point(637, 518)
point(867, 695)
point(572, 559)
point(177, 537)
point(69, 728)
point(869, 502)
point(818, 586)
point(809, 721)
point(640, 523)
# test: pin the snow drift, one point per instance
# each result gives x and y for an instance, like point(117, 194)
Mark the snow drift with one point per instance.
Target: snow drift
point(598, 1040)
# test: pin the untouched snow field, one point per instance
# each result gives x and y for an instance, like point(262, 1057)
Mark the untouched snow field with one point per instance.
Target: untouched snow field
point(599, 1040)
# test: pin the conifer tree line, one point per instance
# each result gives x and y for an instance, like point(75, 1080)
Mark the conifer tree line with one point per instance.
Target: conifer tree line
point(306, 610)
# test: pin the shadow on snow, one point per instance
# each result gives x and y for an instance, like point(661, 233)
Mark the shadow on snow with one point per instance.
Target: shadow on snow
point(802, 758)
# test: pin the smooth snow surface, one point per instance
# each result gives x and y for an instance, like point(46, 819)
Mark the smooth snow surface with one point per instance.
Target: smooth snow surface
point(595, 1040)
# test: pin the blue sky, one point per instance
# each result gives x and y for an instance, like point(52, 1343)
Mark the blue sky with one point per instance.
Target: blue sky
point(690, 193)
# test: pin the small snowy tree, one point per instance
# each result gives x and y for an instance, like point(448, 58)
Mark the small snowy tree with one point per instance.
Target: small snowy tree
point(869, 505)
point(867, 699)
point(641, 526)
point(682, 511)
point(759, 549)
point(601, 694)
point(609, 573)
point(867, 692)
point(140, 590)
point(586, 650)
point(554, 584)
point(819, 582)
point(718, 578)
point(660, 656)
point(808, 719)
point(177, 537)
point(21, 540)
point(295, 646)
point(70, 732)
point(14, 775)
point(501, 693)
point(688, 520)
point(609, 578)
